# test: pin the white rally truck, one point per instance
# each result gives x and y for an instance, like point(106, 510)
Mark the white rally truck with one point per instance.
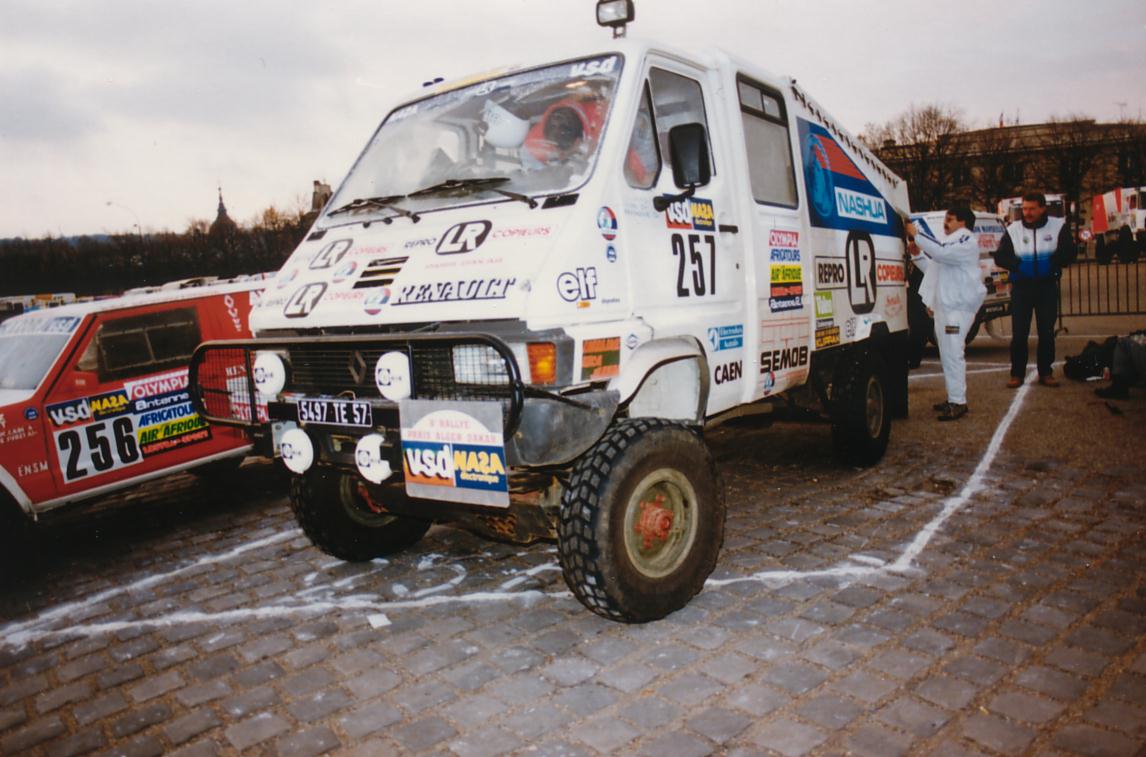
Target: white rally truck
point(537, 288)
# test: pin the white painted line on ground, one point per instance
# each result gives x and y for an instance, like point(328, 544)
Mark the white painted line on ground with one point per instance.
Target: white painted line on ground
point(63, 611)
point(32, 630)
point(904, 562)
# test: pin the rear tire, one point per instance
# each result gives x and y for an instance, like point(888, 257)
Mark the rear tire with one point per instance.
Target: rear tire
point(641, 521)
point(18, 542)
point(338, 519)
point(861, 425)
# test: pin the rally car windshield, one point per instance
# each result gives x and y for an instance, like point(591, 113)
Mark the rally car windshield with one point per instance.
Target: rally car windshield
point(29, 345)
point(531, 133)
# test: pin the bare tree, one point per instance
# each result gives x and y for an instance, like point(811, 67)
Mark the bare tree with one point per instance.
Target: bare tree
point(998, 170)
point(922, 146)
point(1070, 152)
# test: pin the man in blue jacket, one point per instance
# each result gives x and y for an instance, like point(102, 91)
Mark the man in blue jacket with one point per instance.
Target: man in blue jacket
point(1034, 250)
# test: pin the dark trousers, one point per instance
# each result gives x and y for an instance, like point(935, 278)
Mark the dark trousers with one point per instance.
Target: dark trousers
point(1040, 297)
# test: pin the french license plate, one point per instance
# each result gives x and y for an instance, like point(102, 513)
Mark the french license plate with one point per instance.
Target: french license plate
point(336, 413)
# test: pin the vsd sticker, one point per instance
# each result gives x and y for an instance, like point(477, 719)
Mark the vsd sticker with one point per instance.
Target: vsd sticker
point(454, 451)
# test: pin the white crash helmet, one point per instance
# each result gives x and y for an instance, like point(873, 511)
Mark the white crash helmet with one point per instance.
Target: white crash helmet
point(503, 129)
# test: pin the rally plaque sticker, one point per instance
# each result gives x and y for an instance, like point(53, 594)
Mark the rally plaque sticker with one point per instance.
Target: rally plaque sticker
point(454, 451)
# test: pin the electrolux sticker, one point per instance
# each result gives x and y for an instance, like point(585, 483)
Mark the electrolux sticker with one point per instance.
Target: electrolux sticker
point(454, 451)
point(726, 337)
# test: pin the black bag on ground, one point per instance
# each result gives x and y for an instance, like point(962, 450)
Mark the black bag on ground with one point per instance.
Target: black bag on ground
point(1092, 361)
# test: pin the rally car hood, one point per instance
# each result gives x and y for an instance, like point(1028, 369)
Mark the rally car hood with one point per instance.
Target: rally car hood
point(463, 264)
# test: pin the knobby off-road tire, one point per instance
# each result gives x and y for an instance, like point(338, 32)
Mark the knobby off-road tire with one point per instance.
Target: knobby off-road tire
point(642, 521)
point(861, 425)
point(340, 522)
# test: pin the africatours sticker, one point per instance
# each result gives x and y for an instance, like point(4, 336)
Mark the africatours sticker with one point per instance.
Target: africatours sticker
point(786, 287)
point(454, 451)
point(458, 290)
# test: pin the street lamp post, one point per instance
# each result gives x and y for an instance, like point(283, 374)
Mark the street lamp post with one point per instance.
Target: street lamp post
point(138, 226)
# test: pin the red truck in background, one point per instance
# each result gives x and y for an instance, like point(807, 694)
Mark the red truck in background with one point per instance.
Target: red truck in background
point(1118, 224)
point(94, 398)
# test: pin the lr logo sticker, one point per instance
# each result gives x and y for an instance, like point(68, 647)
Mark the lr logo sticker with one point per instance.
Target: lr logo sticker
point(464, 237)
point(304, 299)
point(861, 272)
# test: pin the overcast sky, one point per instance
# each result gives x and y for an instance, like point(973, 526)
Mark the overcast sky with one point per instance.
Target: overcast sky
point(150, 105)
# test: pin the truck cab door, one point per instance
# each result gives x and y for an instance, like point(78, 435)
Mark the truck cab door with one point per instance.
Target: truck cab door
point(688, 266)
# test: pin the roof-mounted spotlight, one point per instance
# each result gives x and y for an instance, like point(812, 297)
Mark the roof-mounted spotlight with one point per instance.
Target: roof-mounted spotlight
point(615, 14)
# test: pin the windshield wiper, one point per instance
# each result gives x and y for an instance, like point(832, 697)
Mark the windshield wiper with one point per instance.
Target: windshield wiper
point(488, 184)
point(385, 203)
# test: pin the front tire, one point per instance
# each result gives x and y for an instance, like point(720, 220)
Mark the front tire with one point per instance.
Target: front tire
point(861, 425)
point(641, 521)
point(340, 521)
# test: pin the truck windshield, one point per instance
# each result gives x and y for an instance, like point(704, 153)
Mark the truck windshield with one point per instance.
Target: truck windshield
point(29, 346)
point(531, 133)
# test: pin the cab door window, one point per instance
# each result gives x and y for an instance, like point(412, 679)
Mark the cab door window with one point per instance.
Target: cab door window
point(142, 344)
point(770, 168)
point(643, 158)
point(677, 100)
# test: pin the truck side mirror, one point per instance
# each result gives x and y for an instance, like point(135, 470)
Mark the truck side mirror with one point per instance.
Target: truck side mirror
point(688, 145)
point(691, 168)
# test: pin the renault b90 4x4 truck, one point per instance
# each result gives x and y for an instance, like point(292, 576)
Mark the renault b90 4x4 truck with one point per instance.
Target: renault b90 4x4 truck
point(534, 291)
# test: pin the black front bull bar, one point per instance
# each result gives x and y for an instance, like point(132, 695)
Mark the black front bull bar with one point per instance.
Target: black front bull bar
point(222, 375)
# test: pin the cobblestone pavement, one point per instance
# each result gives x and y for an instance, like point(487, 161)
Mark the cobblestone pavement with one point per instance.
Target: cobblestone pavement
point(958, 598)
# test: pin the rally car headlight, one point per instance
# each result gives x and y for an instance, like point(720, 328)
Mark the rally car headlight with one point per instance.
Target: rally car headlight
point(270, 373)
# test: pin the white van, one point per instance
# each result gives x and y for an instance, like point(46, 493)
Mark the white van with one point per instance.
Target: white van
point(535, 290)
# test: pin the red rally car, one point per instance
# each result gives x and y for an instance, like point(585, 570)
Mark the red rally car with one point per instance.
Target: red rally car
point(94, 396)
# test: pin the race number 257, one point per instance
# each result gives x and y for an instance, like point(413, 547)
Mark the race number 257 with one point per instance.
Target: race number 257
point(691, 277)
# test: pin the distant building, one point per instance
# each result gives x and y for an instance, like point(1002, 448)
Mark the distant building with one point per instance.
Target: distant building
point(223, 229)
point(1077, 158)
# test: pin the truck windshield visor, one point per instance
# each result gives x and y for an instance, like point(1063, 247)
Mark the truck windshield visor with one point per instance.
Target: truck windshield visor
point(534, 132)
point(29, 347)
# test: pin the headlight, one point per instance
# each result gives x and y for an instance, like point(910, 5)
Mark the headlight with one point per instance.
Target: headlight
point(479, 364)
point(270, 373)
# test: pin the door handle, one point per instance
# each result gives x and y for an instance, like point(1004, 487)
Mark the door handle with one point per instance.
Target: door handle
point(729, 228)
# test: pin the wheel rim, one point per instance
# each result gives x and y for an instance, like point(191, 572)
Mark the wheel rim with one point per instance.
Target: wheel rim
point(873, 407)
point(660, 523)
point(359, 506)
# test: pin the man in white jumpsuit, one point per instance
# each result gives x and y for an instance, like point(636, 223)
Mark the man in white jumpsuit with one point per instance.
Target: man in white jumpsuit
point(953, 291)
